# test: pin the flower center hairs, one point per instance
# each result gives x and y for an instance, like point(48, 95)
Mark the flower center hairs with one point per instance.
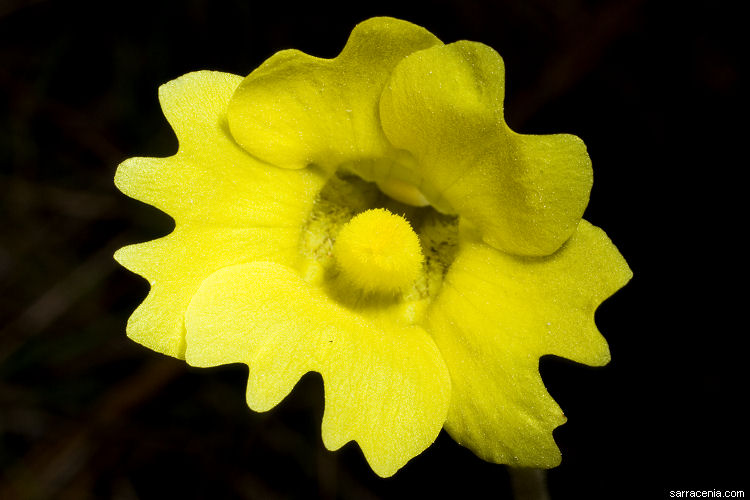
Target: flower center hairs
point(373, 218)
point(378, 251)
point(371, 251)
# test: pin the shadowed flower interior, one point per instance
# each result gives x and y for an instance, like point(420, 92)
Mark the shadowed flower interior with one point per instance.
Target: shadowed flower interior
point(372, 218)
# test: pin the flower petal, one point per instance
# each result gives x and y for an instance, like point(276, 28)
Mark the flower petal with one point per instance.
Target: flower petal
point(525, 193)
point(386, 386)
point(228, 206)
point(496, 315)
point(296, 110)
point(177, 264)
point(211, 180)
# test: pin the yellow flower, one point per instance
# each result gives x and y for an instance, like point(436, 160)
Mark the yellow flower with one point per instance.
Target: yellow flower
point(372, 218)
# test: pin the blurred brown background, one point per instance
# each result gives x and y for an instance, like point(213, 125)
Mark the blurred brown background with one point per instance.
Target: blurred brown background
point(651, 86)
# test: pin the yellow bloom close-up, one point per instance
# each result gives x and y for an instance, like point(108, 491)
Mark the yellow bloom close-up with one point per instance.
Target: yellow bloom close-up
point(372, 218)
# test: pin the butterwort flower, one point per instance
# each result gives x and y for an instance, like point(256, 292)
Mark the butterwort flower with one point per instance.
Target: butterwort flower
point(372, 218)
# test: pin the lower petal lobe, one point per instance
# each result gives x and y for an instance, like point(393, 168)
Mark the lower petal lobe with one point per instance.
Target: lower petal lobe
point(496, 315)
point(386, 385)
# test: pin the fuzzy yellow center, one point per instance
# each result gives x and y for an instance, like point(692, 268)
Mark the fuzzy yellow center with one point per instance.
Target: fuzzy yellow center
point(378, 251)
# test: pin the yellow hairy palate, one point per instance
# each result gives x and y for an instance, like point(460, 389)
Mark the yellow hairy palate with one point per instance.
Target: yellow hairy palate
point(374, 219)
point(378, 251)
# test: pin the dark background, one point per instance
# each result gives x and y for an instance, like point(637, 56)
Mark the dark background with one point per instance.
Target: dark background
point(651, 86)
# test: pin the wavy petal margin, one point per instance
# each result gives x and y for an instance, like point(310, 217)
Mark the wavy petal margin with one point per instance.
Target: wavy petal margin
point(228, 207)
point(386, 387)
point(496, 315)
point(525, 193)
point(296, 110)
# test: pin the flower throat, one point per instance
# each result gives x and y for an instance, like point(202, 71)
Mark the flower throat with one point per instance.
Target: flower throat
point(332, 242)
